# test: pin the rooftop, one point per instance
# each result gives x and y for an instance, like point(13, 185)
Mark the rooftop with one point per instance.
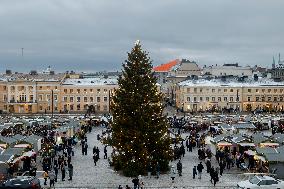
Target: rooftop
point(230, 83)
point(91, 81)
point(166, 67)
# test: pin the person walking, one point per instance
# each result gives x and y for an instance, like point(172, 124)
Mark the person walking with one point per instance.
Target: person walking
point(45, 176)
point(173, 173)
point(215, 178)
point(51, 178)
point(63, 172)
point(55, 172)
point(70, 171)
point(95, 158)
point(179, 168)
point(149, 169)
point(194, 172)
point(200, 167)
point(158, 170)
point(135, 182)
point(105, 152)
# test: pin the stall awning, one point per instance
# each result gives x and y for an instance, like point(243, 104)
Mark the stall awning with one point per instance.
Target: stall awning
point(224, 144)
point(250, 153)
point(247, 144)
point(29, 153)
point(260, 157)
point(269, 144)
point(22, 145)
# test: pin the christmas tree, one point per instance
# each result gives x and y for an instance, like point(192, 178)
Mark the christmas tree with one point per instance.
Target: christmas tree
point(139, 128)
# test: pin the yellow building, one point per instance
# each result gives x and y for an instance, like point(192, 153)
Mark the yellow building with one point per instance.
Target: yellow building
point(77, 94)
point(202, 95)
point(3, 95)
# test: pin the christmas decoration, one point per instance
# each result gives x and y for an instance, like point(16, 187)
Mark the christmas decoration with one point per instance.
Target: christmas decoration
point(139, 127)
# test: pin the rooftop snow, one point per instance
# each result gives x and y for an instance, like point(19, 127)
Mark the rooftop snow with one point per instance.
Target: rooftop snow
point(90, 81)
point(230, 83)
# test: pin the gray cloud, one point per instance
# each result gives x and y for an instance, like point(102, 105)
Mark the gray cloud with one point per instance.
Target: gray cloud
point(88, 35)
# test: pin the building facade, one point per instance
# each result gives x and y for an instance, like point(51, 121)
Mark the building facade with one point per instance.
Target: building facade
point(204, 95)
point(228, 70)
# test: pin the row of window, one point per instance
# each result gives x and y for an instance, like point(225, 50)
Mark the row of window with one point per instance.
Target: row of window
point(72, 107)
point(84, 90)
point(22, 88)
point(264, 99)
point(201, 90)
point(213, 99)
point(85, 99)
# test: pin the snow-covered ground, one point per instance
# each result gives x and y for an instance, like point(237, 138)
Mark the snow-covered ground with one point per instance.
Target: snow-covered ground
point(86, 174)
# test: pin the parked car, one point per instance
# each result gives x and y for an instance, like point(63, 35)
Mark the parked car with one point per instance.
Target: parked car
point(261, 182)
point(38, 174)
point(22, 182)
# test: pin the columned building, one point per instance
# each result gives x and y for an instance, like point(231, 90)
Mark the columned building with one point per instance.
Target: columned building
point(203, 95)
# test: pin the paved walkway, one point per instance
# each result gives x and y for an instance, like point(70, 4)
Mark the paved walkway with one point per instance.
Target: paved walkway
point(86, 174)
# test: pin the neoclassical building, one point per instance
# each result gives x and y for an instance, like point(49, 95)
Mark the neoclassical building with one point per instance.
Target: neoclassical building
point(202, 95)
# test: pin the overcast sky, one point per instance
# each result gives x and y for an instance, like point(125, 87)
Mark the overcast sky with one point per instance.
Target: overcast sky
point(95, 35)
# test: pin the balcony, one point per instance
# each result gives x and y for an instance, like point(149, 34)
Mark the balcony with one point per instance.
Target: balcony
point(22, 102)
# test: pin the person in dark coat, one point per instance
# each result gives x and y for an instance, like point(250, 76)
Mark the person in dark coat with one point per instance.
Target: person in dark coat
point(212, 172)
point(95, 158)
point(98, 153)
point(135, 183)
point(63, 172)
point(55, 172)
point(194, 172)
point(215, 178)
point(200, 167)
point(70, 171)
point(179, 168)
point(105, 152)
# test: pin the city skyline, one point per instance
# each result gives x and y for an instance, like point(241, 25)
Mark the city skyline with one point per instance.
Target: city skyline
point(96, 36)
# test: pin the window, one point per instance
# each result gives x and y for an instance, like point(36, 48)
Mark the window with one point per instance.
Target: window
point(188, 99)
point(40, 108)
point(85, 90)
point(71, 90)
point(105, 90)
point(98, 90)
point(78, 107)
point(225, 90)
point(280, 98)
point(275, 99)
point(105, 99)
point(48, 97)
point(55, 97)
point(85, 99)
point(263, 90)
point(98, 107)
point(263, 98)
point(257, 90)
point(249, 90)
point(31, 98)
point(85, 106)
point(213, 99)
point(55, 88)
point(248, 98)
point(195, 90)
point(269, 98)
point(194, 99)
point(91, 90)
point(207, 99)
point(201, 99)
point(40, 87)
point(219, 90)
point(231, 90)
point(225, 99)
point(98, 99)
point(188, 90)
point(65, 99)
point(71, 107)
point(231, 99)
point(40, 97)
point(48, 87)
point(269, 90)
point(200, 90)
point(275, 90)
point(4, 88)
point(219, 99)
point(78, 90)
point(213, 90)
point(91, 99)
point(71, 99)
point(257, 99)
point(65, 91)
point(78, 99)
point(105, 107)
point(281, 90)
